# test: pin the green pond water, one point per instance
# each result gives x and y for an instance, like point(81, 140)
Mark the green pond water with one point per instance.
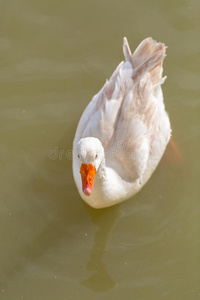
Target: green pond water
point(54, 56)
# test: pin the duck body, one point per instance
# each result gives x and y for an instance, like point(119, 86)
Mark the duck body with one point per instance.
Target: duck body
point(124, 130)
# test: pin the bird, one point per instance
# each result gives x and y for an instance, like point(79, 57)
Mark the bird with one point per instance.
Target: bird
point(123, 132)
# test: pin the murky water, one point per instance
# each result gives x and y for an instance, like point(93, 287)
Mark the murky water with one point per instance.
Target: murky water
point(55, 55)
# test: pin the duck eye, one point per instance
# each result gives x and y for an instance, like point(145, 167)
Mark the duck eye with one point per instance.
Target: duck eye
point(96, 156)
point(78, 156)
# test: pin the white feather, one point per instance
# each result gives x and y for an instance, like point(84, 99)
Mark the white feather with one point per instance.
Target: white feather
point(127, 124)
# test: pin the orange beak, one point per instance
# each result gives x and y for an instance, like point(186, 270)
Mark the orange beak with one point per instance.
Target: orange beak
point(87, 172)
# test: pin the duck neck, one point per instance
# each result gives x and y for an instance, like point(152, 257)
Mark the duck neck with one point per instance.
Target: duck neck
point(109, 186)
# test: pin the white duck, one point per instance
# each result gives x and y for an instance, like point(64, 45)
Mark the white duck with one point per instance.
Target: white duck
point(124, 130)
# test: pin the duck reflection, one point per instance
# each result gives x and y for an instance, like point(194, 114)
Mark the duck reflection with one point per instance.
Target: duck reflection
point(105, 219)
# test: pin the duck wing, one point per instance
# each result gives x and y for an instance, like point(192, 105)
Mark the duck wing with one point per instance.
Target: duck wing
point(124, 114)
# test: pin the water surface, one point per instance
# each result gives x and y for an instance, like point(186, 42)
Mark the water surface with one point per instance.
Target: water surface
point(55, 55)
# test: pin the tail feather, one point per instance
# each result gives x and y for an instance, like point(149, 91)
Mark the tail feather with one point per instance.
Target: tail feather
point(145, 50)
point(148, 57)
point(127, 52)
point(150, 65)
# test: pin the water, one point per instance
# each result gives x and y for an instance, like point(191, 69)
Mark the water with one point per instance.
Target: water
point(54, 57)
